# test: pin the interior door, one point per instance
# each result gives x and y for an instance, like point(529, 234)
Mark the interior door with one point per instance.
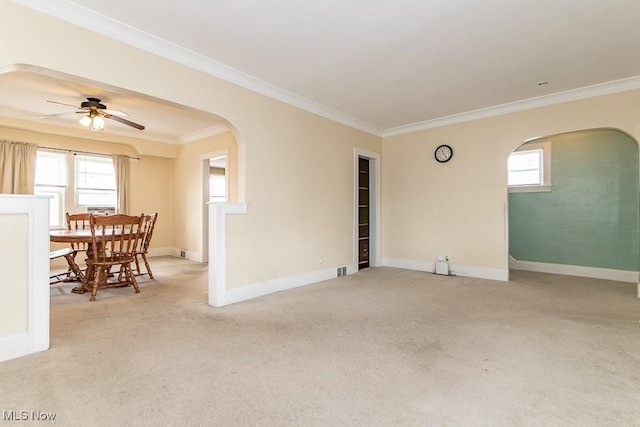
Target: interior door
point(364, 214)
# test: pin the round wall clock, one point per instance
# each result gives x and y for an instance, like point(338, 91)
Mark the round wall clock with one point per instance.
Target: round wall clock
point(443, 153)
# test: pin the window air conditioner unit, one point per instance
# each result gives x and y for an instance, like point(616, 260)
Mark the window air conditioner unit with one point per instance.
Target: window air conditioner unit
point(101, 210)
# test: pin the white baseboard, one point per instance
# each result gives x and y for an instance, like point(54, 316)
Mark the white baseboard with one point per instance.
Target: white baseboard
point(408, 264)
point(260, 289)
point(192, 256)
point(244, 293)
point(21, 344)
point(163, 252)
point(575, 270)
point(458, 270)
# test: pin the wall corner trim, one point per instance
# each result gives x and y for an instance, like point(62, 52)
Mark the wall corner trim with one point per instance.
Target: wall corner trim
point(218, 249)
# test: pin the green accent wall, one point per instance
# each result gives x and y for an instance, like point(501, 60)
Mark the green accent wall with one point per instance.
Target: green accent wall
point(590, 217)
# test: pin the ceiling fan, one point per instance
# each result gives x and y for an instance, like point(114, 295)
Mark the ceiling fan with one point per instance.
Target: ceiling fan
point(94, 113)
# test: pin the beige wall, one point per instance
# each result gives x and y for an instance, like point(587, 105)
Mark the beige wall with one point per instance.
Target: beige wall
point(152, 189)
point(300, 189)
point(189, 202)
point(14, 272)
point(459, 207)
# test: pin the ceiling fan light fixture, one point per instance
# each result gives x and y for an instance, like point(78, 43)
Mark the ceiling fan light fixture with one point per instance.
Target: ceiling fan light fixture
point(86, 121)
point(97, 123)
point(95, 115)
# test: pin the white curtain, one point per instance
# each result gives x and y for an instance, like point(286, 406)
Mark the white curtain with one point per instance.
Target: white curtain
point(17, 167)
point(121, 166)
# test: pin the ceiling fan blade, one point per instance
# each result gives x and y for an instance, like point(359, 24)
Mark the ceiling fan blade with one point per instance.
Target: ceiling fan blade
point(45, 116)
point(125, 121)
point(62, 103)
point(116, 113)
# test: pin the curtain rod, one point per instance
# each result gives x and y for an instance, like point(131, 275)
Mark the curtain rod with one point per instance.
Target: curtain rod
point(84, 152)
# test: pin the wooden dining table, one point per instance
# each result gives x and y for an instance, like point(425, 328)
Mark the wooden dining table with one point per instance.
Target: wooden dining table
point(70, 236)
point(76, 237)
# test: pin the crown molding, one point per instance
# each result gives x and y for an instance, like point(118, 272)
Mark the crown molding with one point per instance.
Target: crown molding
point(204, 133)
point(607, 88)
point(92, 21)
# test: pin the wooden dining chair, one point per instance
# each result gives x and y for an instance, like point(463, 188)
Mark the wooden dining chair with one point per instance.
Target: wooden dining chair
point(113, 242)
point(148, 224)
point(65, 276)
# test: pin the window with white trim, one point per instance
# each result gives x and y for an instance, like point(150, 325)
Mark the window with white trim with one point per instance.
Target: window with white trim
point(529, 168)
point(76, 183)
point(51, 180)
point(95, 182)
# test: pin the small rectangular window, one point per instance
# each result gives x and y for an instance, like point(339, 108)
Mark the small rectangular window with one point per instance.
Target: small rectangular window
point(529, 168)
point(526, 168)
point(95, 181)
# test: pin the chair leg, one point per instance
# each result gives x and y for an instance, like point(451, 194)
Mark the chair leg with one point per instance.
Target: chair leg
point(89, 276)
point(73, 266)
point(131, 278)
point(100, 277)
point(137, 264)
point(146, 264)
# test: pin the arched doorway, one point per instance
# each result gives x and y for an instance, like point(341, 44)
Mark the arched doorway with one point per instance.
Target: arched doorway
point(585, 222)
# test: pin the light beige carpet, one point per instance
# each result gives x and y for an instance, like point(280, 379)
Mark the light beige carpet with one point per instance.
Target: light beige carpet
point(381, 347)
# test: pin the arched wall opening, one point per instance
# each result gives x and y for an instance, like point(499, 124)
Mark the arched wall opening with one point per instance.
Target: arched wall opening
point(588, 222)
point(166, 173)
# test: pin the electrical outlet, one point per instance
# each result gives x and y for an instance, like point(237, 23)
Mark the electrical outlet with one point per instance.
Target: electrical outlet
point(183, 254)
point(442, 257)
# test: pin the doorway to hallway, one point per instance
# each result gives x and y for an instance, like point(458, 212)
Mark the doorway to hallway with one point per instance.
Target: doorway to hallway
point(363, 213)
point(366, 217)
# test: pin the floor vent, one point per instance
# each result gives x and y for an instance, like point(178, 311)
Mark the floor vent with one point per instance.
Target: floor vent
point(342, 271)
point(183, 254)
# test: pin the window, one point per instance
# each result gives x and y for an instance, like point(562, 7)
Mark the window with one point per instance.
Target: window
point(217, 188)
point(529, 168)
point(95, 182)
point(51, 180)
point(76, 183)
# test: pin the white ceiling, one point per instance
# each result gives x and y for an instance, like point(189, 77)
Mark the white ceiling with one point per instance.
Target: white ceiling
point(383, 66)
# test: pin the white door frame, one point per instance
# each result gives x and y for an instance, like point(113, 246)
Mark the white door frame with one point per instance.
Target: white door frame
point(375, 259)
point(204, 183)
